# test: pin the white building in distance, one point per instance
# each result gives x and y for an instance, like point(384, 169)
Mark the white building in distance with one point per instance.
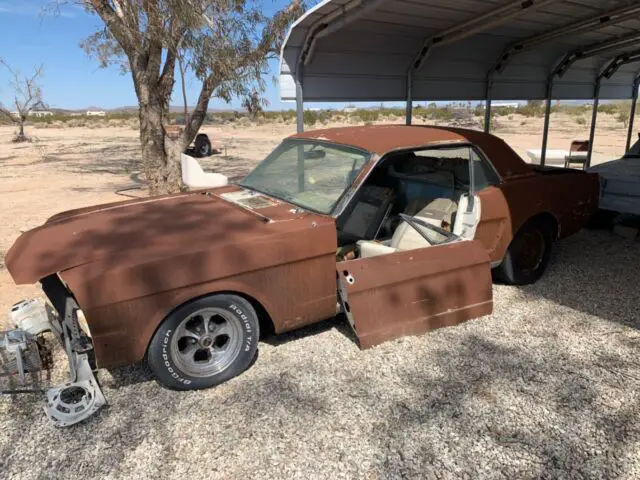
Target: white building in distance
point(96, 113)
point(40, 113)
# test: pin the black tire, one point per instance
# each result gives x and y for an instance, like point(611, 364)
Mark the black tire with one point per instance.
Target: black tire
point(602, 219)
point(528, 254)
point(186, 353)
point(202, 146)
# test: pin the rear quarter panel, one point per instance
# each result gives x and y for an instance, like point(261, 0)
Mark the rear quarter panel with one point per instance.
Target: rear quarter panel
point(570, 196)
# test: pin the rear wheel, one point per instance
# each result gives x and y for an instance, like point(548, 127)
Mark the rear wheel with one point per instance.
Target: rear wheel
point(205, 342)
point(528, 255)
point(602, 219)
point(202, 145)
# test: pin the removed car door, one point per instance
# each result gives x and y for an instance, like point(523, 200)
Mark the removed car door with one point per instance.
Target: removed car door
point(413, 291)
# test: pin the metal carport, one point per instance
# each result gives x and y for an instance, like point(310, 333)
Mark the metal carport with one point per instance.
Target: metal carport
point(413, 50)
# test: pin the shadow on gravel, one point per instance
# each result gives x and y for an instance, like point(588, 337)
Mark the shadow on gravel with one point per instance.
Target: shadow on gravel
point(130, 375)
point(595, 272)
point(339, 322)
point(546, 414)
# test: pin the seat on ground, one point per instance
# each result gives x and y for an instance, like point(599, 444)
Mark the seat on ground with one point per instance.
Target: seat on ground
point(439, 213)
point(193, 176)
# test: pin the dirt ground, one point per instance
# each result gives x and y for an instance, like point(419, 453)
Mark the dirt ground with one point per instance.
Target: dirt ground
point(546, 387)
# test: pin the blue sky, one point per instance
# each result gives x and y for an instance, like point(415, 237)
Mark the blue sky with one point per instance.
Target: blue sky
point(71, 79)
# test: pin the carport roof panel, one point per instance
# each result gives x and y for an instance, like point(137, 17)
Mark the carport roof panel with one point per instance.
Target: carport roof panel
point(362, 50)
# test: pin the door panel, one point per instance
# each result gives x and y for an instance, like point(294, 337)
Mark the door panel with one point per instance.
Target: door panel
point(413, 291)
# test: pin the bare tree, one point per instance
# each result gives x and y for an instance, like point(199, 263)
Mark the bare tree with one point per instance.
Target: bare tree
point(27, 96)
point(253, 103)
point(225, 44)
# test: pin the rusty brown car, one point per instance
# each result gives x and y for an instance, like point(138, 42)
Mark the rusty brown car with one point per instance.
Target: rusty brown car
point(397, 227)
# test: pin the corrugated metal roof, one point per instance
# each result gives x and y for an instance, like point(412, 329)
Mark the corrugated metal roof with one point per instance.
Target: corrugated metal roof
point(363, 50)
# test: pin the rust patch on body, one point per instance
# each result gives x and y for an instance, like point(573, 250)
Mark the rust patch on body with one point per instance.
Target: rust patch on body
point(414, 291)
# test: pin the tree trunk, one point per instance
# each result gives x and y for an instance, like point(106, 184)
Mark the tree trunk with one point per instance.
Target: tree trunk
point(21, 135)
point(160, 154)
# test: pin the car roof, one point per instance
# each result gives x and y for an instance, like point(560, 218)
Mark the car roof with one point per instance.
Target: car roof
point(381, 139)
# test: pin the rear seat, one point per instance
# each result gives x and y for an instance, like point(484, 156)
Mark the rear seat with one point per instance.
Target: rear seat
point(425, 179)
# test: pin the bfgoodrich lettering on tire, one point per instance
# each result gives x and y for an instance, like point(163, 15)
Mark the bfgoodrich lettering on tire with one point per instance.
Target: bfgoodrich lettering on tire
point(204, 342)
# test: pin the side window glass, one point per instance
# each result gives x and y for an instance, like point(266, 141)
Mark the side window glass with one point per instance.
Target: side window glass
point(452, 163)
point(483, 174)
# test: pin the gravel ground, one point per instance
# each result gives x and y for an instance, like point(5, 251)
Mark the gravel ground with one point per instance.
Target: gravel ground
point(546, 387)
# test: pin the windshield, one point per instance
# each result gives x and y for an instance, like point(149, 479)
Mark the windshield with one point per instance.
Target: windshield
point(307, 173)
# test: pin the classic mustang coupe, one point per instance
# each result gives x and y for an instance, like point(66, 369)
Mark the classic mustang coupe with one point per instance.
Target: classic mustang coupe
point(397, 227)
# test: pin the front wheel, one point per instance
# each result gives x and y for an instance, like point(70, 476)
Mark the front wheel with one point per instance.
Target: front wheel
point(528, 255)
point(204, 342)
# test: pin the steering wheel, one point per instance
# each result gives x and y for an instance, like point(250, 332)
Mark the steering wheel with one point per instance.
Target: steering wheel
point(414, 222)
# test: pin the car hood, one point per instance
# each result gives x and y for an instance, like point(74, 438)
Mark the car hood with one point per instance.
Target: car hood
point(140, 231)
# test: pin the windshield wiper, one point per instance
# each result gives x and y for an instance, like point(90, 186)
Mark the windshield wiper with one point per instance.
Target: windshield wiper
point(270, 191)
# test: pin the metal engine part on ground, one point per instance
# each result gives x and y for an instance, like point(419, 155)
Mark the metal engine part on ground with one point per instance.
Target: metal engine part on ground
point(74, 402)
point(31, 316)
point(22, 359)
point(24, 355)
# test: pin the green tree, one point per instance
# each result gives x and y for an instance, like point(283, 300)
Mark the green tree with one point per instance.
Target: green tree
point(224, 44)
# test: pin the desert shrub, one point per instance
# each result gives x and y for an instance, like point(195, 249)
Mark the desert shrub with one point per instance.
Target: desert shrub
point(502, 111)
point(573, 110)
point(77, 122)
point(271, 116)
point(391, 112)
point(443, 114)
point(479, 111)
point(243, 122)
point(623, 117)
point(533, 108)
point(581, 120)
point(366, 115)
point(610, 108)
point(288, 115)
point(309, 117)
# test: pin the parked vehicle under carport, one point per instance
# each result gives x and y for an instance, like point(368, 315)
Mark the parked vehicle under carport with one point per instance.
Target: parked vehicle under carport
point(620, 184)
point(199, 148)
point(396, 227)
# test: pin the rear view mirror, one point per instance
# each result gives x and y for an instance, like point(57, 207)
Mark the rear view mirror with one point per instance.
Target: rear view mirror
point(314, 154)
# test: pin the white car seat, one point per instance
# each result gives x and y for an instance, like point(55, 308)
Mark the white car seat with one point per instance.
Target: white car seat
point(438, 213)
point(194, 177)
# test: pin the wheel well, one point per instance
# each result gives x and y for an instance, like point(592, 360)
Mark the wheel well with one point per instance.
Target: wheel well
point(266, 323)
point(548, 219)
point(267, 327)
